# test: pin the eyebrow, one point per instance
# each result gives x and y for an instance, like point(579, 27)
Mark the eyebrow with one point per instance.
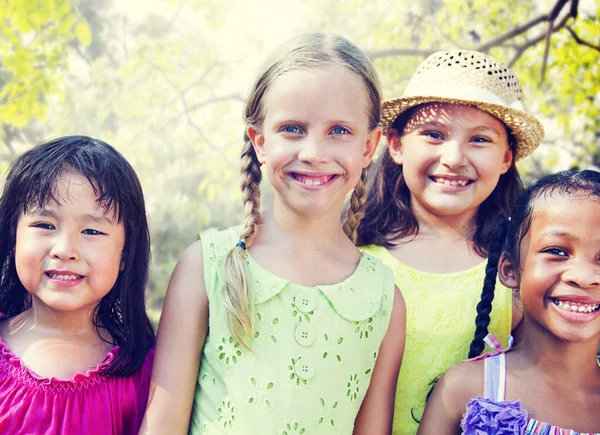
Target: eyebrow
point(486, 128)
point(558, 234)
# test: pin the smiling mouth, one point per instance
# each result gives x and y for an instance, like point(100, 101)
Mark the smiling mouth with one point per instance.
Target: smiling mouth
point(63, 277)
point(313, 180)
point(451, 182)
point(575, 307)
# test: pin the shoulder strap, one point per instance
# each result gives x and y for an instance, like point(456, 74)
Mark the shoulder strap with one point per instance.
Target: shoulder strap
point(495, 377)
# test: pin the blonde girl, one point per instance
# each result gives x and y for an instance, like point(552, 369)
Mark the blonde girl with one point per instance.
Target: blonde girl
point(281, 326)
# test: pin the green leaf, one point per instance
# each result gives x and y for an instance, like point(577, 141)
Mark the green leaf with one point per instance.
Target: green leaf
point(83, 33)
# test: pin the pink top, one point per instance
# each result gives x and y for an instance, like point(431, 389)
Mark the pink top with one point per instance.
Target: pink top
point(88, 404)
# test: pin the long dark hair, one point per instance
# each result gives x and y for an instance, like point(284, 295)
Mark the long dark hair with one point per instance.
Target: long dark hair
point(507, 239)
point(31, 183)
point(389, 215)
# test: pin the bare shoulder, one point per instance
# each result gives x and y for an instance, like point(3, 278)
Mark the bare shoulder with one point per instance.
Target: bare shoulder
point(193, 255)
point(447, 404)
point(186, 288)
point(465, 379)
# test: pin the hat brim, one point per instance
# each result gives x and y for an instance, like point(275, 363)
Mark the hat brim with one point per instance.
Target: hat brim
point(526, 129)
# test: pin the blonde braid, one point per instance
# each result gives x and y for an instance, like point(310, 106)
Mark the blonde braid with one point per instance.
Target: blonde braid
point(357, 207)
point(237, 295)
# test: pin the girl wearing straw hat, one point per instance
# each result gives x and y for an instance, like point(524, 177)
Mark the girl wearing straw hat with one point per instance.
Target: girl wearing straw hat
point(446, 178)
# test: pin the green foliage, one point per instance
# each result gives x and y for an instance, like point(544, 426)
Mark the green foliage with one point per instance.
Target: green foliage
point(34, 41)
point(168, 90)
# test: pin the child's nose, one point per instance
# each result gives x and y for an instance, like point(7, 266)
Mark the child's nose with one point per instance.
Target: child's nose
point(583, 274)
point(65, 247)
point(313, 151)
point(453, 155)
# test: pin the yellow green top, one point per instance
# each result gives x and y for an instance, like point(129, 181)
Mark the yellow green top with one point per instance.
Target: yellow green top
point(313, 350)
point(441, 310)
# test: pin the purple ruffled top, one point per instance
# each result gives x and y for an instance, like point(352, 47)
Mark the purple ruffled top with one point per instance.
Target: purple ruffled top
point(486, 417)
point(89, 403)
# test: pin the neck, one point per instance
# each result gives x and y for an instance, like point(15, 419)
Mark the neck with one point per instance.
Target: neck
point(318, 230)
point(64, 323)
point(575, 363)
point(445, 227)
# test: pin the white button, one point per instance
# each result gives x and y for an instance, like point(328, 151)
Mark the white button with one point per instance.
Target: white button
point(305, 369)
point(306, 301)
point(304, 334)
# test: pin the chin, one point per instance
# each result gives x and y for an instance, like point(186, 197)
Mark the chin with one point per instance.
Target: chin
point(578, 337)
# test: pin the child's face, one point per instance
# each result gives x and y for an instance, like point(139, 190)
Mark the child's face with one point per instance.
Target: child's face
point(452, 157)
point(68, 255)
point(560, 266)
point(315, 138)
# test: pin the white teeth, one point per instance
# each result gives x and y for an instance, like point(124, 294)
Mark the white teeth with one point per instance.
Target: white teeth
point(451, 182)
point(577, 308)
point(64, 277)
point(312, 182)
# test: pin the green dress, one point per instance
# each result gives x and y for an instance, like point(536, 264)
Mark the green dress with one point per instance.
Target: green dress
point(440, 324)
point(313, 351)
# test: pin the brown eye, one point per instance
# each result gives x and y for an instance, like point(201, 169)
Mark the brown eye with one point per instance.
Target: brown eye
point(91, 232)
point(43, 226)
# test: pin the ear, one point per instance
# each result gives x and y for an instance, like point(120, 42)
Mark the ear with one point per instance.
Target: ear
point(395, 146)
point(508, 272)
point(373, 139)
point(506, 161)
point(258, 142)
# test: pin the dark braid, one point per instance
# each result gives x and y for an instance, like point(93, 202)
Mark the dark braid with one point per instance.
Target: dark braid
point(484, 307)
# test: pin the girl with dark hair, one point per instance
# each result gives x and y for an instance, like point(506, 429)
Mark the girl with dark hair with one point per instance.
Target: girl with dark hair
point(281, 326)
point(75, 341)
point(446, 178)
point(549, 253)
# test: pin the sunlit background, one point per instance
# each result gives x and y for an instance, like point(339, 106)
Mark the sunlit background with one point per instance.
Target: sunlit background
point(164, 82)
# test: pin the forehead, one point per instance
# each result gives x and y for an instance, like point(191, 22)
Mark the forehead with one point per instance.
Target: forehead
point(454, 115)
point(72, 189)
point(331, 92)
point(575, 213)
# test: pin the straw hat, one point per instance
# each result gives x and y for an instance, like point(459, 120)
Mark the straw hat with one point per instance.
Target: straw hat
point(475, 79)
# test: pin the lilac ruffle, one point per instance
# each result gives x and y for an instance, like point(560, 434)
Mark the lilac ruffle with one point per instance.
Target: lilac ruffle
point(486, 417)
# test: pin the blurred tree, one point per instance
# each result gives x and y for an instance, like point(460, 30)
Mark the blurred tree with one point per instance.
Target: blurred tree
point(167, 89)
point(36, 38)
point(553, 47)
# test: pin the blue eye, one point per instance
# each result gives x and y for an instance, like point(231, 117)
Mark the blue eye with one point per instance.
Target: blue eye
point(292, 129)
point(90, 232)
point(340, 130)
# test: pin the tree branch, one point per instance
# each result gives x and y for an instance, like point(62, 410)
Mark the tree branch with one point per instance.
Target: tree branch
point(546, 51)
point(536, 40)
point(512, 33)
point(502, 39)
point(581, 41)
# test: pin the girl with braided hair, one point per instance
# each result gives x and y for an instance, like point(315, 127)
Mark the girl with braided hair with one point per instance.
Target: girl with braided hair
point(549, 254)
point(437, 193)
point(283, 326)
